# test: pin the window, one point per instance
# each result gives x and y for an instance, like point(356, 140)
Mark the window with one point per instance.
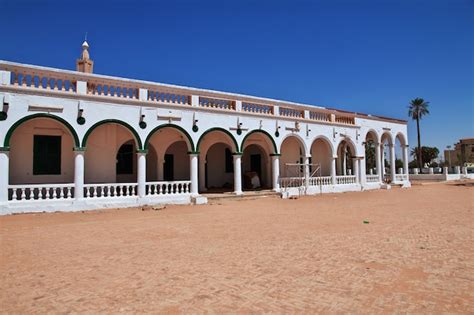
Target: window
point(46, 155)
point(125, 160)
point(229, 162)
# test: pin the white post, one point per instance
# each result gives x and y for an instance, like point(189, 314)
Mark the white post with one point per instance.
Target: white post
point(457, 170)
point(355, 166)
point(193, 161)
point(464, 170)
point(78, 173)
point(306, 171)
point(202, 173)
point(378, 161)
point(405, 160)
point(392, 162)
point(382, 160)
point(430, 170)
point(333, 170)
point(238, 173)
point(362, 170)
point(276, 172)
point(141, 174)
point(416, 171)
point(344, 161)
point(4, 177)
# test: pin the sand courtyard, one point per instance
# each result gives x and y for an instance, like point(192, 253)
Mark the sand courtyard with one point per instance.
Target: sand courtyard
point(414, 253)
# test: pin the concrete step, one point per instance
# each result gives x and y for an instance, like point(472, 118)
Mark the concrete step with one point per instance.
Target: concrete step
point(213, 197)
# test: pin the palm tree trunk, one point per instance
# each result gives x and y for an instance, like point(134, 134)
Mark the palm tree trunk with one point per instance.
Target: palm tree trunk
point(420, 161)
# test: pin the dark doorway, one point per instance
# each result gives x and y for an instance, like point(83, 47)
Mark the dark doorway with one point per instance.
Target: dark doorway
point(124, 164)
point(256, 164)
point(168, 168)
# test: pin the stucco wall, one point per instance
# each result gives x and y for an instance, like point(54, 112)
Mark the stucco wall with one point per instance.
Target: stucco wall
point(21, 153)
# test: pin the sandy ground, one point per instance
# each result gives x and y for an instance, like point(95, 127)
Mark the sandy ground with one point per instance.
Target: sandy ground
point(314, 254)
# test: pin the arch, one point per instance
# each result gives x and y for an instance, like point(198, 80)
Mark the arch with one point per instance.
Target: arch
point(275, 148)
point(387, 135)
point(298, 138)
point(179, 128)
point(325, 139)
point(401, 137)
point(221, 130)
point(350, 143)
point(41, 115)
point(113, 121)
point(374, 133)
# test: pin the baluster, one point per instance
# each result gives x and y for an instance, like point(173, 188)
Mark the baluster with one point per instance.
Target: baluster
point(23, 194)
point(86, 192)
point(69, 192)
point(14, 195)
point(61, 192)
point(94, 191)
point(125, 193)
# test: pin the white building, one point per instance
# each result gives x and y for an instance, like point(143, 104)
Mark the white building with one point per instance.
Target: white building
point(73, 140)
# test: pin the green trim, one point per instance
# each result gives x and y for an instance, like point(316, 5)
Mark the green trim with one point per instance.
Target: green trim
point(4, 149)
point(79, 149)
point(41, 115)
point(275, 148)
point(179, 128)
point(144, 151)
point(191, 153)
point(238, 153)
point(275, 154)
point(218, 129)
point(112, 121)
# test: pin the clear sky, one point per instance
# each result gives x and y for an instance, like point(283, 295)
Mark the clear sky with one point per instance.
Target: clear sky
point(365, 56)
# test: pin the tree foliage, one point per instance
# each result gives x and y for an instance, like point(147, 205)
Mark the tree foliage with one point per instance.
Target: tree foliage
point(428, 154)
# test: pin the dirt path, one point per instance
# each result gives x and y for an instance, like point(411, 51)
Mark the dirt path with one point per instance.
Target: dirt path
point(314, 254)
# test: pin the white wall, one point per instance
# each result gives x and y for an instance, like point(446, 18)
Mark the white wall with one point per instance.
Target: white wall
point(291, 152)
point(321, 154)
point(21, 153)
point(101, 154)
point(216, 175)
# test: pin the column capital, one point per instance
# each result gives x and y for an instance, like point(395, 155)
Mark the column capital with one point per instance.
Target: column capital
point(237, 154)
point(142, 151)
point(79, 149)
point(334, 157)
point(193, 153)
point(405, 146)
point(4, 149)
point(275, 154)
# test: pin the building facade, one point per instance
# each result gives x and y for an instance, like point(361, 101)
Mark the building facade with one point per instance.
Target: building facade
point(73, 140)
point(462, 154)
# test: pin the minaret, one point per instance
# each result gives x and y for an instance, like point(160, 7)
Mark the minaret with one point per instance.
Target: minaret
point(84, 64)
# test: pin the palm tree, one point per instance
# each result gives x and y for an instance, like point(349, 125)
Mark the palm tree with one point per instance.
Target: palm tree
point(416, 110)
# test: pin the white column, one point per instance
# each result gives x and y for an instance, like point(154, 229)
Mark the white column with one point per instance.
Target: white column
point(202, 173)
point(392, 162)
point(79, 174)
point(405, 160)
point(276, 172)
point(355, 166)
point(306, 171)
point(193, 161)
point(237, 173)
point(382, 160)
point(333, 170)
point(362, 171)
point(378, 160)
point(141, 174)
point(4, 177)
point(344, 161)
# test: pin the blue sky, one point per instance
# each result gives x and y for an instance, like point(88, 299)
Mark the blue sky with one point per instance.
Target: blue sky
point(364, 56)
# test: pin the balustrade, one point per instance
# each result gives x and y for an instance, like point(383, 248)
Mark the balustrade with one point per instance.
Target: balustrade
point(291, 112)
point(40, 192)
point(112, 89)
point(110, 190)
point(43, 81)
point(168, 97)
point(344, 180)
point(257, 108)
point(401, 177)
point(346, 120)
point(372, 178)
point(320, 181)
point(168, 188)
point(216, 103)
point(319, 116)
